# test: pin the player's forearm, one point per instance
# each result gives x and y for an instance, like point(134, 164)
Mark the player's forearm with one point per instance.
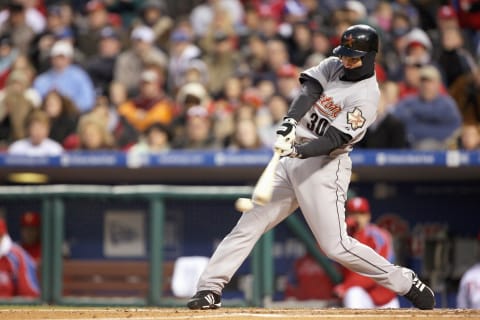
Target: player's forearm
point(323, 145)
point(309, 94)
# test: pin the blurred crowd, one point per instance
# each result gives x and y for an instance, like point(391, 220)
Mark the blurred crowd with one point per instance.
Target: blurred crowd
point(132, 75)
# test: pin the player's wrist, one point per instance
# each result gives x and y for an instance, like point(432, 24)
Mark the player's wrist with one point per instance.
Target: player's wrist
point(290, 120)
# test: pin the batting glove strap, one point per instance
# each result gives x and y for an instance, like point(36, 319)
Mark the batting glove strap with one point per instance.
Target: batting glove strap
point(287, 127)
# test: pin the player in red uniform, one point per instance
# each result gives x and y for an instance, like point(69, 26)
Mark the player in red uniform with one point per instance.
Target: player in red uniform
point(30, 234)
point(357, 291)
point(18, 274)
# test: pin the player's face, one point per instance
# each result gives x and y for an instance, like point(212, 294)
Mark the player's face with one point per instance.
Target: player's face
point(351, 62)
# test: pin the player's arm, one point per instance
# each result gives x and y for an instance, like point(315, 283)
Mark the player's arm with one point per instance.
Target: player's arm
point(323, 145)
point(310, 92)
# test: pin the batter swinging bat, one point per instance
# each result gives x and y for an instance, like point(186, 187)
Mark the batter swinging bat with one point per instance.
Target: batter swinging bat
point(262, 193)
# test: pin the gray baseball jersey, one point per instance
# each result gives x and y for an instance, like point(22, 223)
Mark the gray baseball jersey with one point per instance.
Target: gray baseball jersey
point(350, 107)
point(318, 185)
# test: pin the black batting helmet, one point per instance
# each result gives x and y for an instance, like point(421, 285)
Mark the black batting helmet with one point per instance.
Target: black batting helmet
point(357, 41)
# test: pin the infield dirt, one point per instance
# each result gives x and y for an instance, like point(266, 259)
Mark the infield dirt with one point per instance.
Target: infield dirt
point(112, 313)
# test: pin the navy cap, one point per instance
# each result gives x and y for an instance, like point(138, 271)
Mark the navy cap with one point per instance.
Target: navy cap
point(109, 32)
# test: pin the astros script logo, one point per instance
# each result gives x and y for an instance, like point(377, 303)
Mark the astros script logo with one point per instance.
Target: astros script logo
point(348, 41)
point(355, 119)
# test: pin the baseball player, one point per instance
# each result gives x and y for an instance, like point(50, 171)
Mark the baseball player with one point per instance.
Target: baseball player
point(357, 291)
point(18, 271)
point(337, 103)
point(468, 296)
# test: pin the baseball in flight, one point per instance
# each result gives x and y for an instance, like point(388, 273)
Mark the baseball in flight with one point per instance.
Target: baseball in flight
point(243, 204)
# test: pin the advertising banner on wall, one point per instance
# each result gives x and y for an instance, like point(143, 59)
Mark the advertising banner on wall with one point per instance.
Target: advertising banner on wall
point(124, 234)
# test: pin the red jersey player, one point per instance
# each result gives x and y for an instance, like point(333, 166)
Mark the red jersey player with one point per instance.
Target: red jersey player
point(357, 291)
point(18, 274)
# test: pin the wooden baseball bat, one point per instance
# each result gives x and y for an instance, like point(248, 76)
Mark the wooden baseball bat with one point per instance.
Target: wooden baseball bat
point(262, 193)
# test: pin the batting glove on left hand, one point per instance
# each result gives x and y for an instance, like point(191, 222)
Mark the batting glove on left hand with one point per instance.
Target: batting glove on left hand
point(287, 130)
point(286, 138)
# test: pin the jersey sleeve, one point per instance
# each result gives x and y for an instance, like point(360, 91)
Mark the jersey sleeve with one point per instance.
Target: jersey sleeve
point(323, 71)
point(356, 117)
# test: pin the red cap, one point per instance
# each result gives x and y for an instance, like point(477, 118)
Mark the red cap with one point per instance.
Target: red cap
point(446, 12)
point(3, 227)
point(94, 5)
point(265, 11)
point(252, 96)
point(30, 218)
point(357, 205)
point(288, 71)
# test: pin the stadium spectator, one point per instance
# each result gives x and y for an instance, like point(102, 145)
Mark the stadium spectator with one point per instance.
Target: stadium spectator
point(466, 92)
point(409, 9)
point(101, 65)
point(93, 134)
point(140, 54)
point(277, 107)
point(90, 34)
point(454, 59)
point(67, 35)
point(69, 79)
point(430, 117)
point(19, 81)
point(221, 24)
point(277, 57)
point(18, 271)
point(15, 23)
point(189, 95)
point(37, 143)
point(394, 43)
point(153, 13)
point(8, 55)
point(59, 18)
point(182, 52)
point(221, 62)
point(16, 102)
point(156, 138)
point(357, 291)
point(125, 135)
point(151, 104)
point(255, 56)
point(321, 46)
point(387, 132)
point(469, 137)
point(196, 71)
point(34, 14)
point(198, 130)
point(30, 234)
point(301, 43)
point(287, 80)
point(24, 67)
point(356, 12)
point(202, 15)
point(245, 136)
point(63, 115)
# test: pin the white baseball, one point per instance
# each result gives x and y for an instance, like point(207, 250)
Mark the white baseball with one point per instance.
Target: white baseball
point(243, 204)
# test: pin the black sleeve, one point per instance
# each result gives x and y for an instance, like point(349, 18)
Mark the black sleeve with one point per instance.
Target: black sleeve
point(309, 94)
point(332, 139)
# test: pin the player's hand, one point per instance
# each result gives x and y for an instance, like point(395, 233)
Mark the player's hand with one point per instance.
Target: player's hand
point(287, 130)
point(290, 151)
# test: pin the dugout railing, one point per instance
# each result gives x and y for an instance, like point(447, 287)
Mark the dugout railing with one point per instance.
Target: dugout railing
point(52, 199)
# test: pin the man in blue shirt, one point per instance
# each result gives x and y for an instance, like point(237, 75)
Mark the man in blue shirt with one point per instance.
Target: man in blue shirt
point(430, 117)
point(66, 77)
